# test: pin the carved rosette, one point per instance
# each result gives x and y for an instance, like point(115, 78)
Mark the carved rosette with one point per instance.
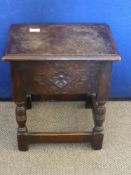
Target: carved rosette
point(60, 79)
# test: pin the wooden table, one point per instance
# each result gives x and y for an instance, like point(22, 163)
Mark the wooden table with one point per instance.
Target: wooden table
point(60, 59)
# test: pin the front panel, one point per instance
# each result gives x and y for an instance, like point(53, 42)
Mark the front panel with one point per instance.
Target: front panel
point(59, 77)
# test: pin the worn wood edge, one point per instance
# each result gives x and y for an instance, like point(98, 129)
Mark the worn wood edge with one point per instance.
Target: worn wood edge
point(26, 57)
point(59, 137)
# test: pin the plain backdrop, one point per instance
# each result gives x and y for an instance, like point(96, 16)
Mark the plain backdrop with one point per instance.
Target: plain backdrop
point(116, 13)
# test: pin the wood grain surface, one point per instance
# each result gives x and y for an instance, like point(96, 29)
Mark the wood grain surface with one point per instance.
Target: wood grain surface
point(59, 42)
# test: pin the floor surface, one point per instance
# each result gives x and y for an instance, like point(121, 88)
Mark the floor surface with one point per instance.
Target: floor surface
point(66, 159)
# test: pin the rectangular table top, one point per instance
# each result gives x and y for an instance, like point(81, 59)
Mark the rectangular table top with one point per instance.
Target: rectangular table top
point(60, 42)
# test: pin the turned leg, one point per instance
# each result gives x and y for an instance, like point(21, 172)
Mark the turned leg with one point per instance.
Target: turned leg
point(22, 129)
point(99, 117)
point(88, 101)
point(99, 100)
point(28, 102)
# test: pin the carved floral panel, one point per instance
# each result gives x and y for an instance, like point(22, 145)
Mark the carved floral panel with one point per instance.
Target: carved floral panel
point(60, 79)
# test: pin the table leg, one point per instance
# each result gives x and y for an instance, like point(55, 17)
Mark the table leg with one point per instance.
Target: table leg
point(22, 132)
point(99, 103)
point(99, 117)
point(88, 102)
point(28, 102)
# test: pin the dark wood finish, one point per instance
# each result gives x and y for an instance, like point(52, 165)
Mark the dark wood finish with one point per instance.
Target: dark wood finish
point(22, 129)
point(28, 102)
point(61, 42)
point(56, 77)
point(88, 103)
point(104, 81)
point(59, 97)
point(55, 60)
point(99, 111)
point(59, 137)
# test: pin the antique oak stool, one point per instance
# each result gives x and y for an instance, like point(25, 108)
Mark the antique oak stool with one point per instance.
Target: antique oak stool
point(60, 59)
